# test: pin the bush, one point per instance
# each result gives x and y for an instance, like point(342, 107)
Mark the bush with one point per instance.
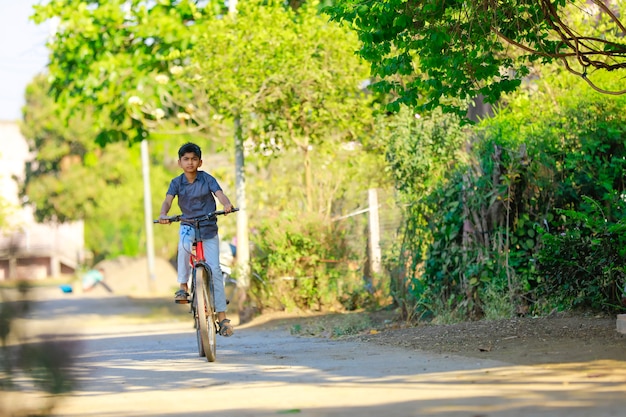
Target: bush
point(584, 265)
point(304, 264)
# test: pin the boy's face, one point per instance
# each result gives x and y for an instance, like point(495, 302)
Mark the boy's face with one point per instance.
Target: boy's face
point(190, 162)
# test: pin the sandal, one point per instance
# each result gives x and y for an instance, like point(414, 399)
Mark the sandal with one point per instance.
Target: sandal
point(225, 328)
point(181, 297)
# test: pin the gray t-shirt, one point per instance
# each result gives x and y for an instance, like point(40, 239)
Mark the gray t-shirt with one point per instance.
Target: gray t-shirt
point(196, 199)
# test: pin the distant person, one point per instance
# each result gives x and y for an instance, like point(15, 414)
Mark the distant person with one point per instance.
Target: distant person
point(93, 278)
point(227, 255)
point(196, 191)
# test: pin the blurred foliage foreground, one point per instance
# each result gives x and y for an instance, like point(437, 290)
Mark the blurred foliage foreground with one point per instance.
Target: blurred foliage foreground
point(40, 367)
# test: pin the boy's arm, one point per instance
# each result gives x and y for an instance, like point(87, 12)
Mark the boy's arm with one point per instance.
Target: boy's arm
point(228, 207)
point(165, 208)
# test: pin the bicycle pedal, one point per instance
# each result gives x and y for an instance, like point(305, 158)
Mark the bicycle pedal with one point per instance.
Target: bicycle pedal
point(181, 301)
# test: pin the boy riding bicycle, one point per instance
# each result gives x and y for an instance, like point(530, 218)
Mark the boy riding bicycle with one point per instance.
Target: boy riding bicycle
point(196, 190)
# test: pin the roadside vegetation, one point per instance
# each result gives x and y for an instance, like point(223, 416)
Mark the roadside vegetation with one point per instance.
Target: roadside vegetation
point(517, 213)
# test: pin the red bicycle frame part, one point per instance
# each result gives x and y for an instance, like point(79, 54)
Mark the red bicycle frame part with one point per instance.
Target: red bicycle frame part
point(198, 254)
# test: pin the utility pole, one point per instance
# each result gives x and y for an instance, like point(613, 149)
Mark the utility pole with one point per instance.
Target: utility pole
point(147, 204)
point(243, 246)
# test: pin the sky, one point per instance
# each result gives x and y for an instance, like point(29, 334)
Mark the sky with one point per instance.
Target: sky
point(23, 54)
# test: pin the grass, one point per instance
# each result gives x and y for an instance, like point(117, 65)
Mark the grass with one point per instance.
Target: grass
point(339, 325)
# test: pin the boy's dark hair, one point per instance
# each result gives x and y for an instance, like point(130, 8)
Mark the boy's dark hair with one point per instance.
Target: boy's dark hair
point(189, 147)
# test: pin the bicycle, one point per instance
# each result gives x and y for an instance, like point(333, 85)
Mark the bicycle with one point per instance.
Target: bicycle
point(201, 290)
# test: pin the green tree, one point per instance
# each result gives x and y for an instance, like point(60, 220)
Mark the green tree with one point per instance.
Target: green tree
point(287, 75)
point(111, 74)
point(72, 178)
point(431, 53)
point(118, 57)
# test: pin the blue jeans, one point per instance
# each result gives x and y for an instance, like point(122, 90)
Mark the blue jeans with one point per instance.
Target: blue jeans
point(212, 256)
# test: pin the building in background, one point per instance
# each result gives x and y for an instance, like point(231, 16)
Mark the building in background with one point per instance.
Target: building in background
point(30, 250)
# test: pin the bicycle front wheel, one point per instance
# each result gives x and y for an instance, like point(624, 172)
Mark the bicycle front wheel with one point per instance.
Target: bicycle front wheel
point(205, 313)
point(196, 321)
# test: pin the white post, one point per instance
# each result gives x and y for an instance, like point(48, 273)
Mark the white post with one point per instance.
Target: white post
point(232, 6)
point(375, 252)
point(147, 204)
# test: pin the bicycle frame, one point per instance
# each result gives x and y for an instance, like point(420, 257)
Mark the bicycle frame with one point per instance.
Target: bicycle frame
point(198, 256)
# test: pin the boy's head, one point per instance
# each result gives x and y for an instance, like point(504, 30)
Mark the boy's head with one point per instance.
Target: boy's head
point(190, 148)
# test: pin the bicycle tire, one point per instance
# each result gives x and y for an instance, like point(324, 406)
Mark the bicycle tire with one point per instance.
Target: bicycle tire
point(205, 313)
point(196, 320)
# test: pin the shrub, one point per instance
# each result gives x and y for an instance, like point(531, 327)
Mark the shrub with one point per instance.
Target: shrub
point(304, 264)
point(584, 264)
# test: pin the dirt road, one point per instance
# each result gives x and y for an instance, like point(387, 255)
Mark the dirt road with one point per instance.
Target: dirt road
point(132, 367)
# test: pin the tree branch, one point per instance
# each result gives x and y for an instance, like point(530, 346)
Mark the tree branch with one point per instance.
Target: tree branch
point(591, 83)
point(609, 12)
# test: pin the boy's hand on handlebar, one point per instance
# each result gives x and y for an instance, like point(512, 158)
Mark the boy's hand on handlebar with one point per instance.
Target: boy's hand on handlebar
point(228, 209)
point(163, 219)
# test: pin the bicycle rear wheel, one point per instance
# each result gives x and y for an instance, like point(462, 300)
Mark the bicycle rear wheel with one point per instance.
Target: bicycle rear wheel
point(206, 330)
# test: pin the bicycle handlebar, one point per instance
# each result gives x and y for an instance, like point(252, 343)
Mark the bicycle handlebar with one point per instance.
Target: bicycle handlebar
point(180, 218)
